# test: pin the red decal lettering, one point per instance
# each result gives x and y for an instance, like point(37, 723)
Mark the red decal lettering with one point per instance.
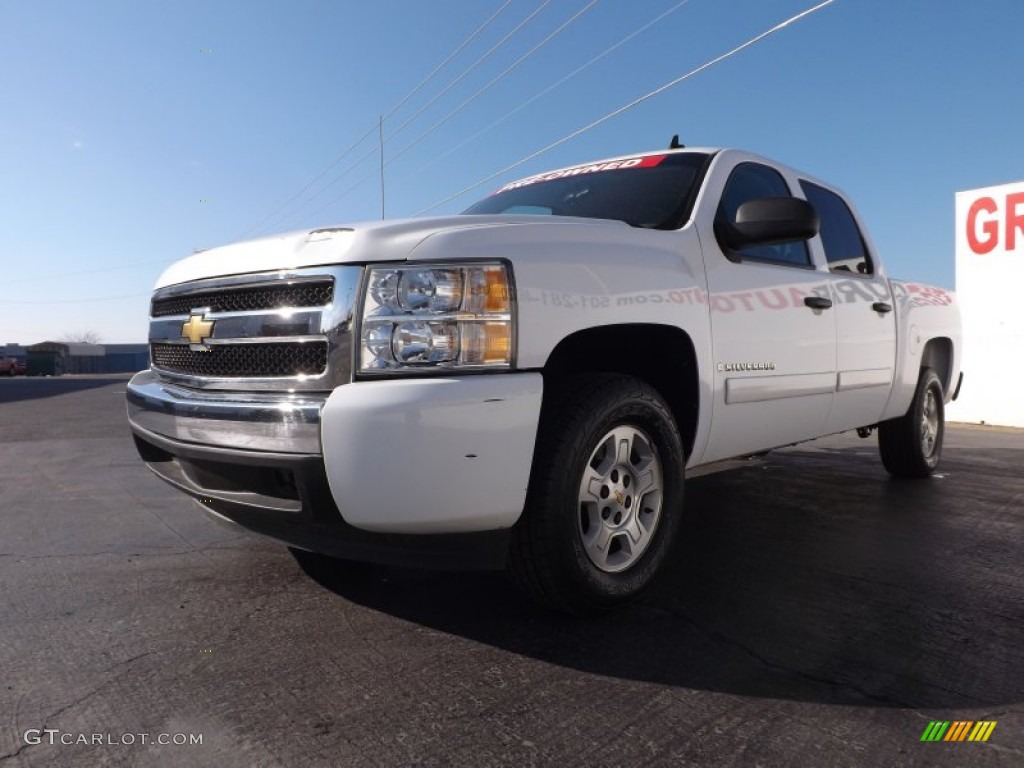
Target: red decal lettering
point(745, 299)
point(779, 296)
point(985, 245)
point(634, 162)
point(1014, 220)
point(722, 303)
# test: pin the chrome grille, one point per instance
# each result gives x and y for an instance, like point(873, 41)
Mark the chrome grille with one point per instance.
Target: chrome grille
point(244, 360)
point(262, 332)
point(305, 294)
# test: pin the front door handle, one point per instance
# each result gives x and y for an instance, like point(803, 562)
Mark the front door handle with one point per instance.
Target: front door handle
point(818, 302)
point(881, 306)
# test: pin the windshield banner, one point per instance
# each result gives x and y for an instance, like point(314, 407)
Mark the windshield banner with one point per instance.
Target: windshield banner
point(650, 161)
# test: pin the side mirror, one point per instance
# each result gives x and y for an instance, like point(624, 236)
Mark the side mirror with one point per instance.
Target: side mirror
point(769, 221)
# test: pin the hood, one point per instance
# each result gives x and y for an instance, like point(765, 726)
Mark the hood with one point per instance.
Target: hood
point(354, 243)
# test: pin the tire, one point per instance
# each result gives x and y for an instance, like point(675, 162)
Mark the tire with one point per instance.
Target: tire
point(585, 543)
point(912, 444)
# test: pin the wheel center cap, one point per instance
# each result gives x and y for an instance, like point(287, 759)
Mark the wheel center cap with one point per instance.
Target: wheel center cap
point(620, 497)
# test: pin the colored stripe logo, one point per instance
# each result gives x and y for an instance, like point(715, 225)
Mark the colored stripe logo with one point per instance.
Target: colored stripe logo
point(958, 730)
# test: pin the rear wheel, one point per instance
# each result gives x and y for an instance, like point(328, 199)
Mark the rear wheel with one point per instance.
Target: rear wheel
point(605, 496)
point(912, 444)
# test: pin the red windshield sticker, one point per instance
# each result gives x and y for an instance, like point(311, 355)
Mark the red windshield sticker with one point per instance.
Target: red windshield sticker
point(650, 161)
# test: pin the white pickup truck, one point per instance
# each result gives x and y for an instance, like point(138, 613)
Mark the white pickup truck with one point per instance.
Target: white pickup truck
point(527, 384)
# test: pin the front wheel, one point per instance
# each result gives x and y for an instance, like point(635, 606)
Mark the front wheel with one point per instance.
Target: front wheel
point(605, 496)
point(912, 444)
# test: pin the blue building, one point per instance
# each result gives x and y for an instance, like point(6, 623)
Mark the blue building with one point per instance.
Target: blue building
point(55, 358)
point(126, 358)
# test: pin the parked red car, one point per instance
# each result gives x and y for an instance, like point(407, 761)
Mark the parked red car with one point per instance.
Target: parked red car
point(10, 366)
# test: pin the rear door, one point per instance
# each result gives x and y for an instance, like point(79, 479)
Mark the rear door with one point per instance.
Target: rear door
point(863, 308)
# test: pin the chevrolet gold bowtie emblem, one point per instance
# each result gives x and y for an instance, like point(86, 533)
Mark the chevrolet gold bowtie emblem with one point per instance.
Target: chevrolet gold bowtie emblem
point(196, 329)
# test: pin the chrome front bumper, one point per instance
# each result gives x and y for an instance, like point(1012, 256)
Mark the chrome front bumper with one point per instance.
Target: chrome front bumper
point(256, 461)
point(278, 423)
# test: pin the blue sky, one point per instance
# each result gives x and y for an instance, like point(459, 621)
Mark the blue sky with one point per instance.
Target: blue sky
point(118, 119)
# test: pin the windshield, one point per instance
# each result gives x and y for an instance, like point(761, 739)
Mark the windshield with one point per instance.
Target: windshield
point(653, 192)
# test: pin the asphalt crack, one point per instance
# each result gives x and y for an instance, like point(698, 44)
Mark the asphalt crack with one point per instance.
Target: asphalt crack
point(50, 717)
point(176, 553)
point(818, 679)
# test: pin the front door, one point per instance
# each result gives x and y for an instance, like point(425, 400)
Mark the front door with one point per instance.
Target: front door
point(773, 335)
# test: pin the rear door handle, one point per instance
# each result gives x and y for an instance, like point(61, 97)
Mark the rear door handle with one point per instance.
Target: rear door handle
point(881, 306)
point(818, 302)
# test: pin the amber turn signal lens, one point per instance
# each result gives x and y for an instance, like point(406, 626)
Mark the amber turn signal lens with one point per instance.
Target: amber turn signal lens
point(497, 290)
point(484, 343)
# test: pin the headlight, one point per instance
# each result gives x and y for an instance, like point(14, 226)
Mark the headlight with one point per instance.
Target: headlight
point(440, 316)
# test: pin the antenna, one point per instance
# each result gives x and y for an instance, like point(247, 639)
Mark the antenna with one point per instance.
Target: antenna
point(674, 144)
point(380, 135)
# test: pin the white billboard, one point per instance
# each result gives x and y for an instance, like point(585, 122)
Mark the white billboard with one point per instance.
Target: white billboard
point(990, 289)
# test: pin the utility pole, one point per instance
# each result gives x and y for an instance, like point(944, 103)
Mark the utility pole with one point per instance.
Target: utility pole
point(381, 137)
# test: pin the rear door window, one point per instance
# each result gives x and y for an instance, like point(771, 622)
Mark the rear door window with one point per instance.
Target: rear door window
point(840, 236)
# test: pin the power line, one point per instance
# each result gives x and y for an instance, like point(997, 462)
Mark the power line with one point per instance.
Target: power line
point(83, 301)
point(550, 88)
point(348, 190)
point(84, 272)
point(493, 81)
point(362, 158)
point(452, 113)
point(470, 68)
point(450, 56)
point(372, 152)
point(458, 49)
point(273, 214)
point(635, 102)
